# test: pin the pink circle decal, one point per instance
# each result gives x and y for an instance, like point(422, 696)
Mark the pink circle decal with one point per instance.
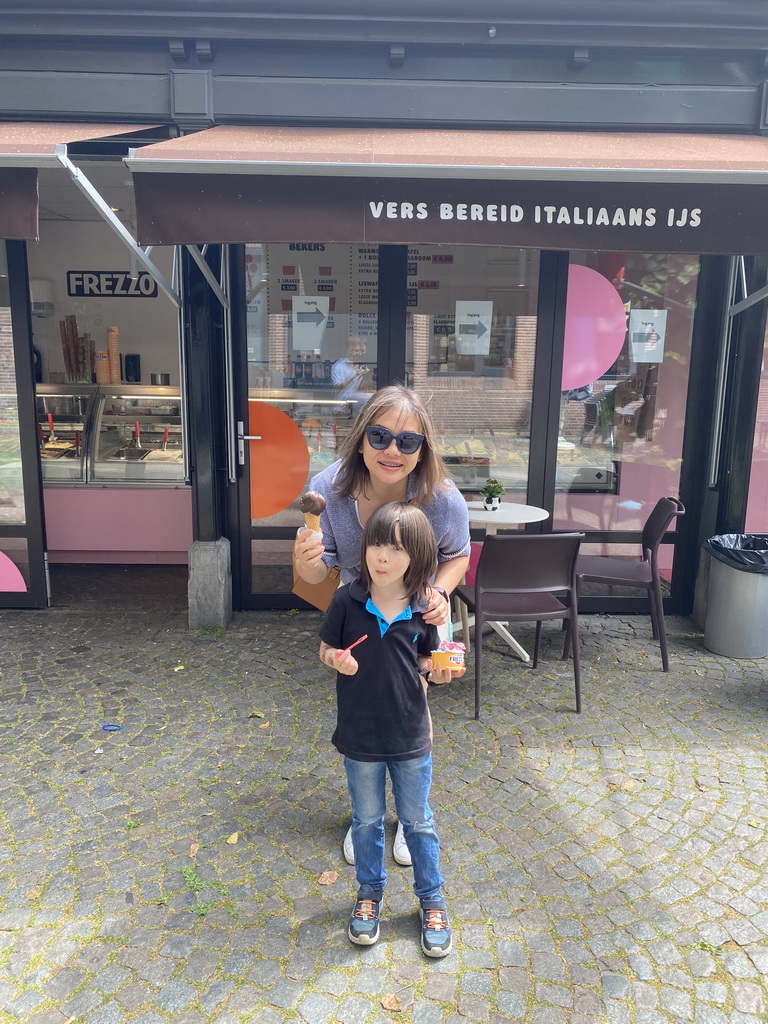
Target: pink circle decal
point(11, 579)
point(595, 327)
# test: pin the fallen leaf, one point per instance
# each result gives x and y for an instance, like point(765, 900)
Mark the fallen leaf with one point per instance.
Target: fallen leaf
point(256, 714)
point(220, 764)
point(193, 849)
point(628, 784)
point(328, 878)
point(233, 838)
point(292, 611)
point(391, 1003)
point(33, 894)
point(753, 822)
point(178, 668)
point(264, 725)
point(240, 746)
point(700, 786)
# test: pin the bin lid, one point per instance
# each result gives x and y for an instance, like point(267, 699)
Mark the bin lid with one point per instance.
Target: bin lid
point(747, 552)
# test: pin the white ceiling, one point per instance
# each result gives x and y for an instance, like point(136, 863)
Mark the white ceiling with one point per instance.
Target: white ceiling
point(61, 199)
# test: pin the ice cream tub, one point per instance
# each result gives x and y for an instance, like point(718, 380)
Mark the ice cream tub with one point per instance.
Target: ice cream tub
point(450, 655)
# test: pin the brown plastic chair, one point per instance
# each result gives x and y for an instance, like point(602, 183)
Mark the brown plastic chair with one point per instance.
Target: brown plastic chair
point(644, 573)
point(517, 580)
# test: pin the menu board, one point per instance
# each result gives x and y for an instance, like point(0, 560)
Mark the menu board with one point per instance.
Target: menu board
point(340, 281)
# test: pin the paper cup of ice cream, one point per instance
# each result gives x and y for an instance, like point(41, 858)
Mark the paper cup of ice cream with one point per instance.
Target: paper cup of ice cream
point(449, 655)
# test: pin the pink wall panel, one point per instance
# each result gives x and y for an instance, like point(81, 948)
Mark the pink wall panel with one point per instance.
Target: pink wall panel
point(108, 525)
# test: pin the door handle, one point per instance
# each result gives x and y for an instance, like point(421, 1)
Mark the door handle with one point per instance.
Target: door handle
point(241, 439)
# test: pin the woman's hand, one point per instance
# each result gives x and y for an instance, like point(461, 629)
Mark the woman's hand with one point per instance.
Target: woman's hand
point(438, 608)
point(308, 554)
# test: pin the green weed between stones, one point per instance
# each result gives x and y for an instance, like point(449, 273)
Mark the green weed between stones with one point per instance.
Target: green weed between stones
point(708, 947)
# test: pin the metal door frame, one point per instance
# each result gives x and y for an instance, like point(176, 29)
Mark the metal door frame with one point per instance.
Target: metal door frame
point(33, 530)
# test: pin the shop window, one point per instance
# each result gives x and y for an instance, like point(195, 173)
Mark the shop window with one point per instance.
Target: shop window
point(471, 341)
point(628, 330)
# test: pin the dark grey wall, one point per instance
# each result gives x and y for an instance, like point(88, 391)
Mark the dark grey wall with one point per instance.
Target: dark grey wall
point(652, 64)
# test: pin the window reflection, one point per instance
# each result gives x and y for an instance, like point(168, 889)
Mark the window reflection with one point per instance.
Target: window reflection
point(470, 346)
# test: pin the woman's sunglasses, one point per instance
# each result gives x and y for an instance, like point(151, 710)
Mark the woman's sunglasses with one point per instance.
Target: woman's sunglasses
point(380, 438)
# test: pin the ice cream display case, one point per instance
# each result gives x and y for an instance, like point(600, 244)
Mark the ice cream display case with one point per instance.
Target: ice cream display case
point(62, 415)
point(110, 435)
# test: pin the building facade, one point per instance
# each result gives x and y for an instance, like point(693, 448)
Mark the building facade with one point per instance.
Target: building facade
point(224, 228)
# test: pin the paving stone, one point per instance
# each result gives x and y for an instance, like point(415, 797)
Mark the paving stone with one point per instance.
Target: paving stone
point(175, 995)
point(316, 1008)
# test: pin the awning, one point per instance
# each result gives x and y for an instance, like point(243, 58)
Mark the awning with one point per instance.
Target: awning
point(625, 191)
point(433, 153)
point(27, 146)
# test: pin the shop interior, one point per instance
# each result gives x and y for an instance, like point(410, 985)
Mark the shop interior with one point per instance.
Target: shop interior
point(108, 382)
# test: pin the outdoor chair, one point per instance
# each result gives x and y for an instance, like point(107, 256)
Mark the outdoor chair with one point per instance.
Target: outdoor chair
point(459, 606)
point(644, 573)
point(525, 577)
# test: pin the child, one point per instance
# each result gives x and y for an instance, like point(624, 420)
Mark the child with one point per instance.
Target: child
point(383, 721)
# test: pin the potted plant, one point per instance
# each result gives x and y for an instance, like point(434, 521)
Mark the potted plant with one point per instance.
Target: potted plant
point(492, 493)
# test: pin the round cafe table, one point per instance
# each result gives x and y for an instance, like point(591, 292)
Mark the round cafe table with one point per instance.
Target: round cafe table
point(509, 513)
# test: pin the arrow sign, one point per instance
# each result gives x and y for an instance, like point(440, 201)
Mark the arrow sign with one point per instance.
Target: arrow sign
point(473, 328)
point(310, 318)
point(315, 318)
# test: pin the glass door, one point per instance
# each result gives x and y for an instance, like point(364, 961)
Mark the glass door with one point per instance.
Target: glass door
point(310, 365)
point(22, 558)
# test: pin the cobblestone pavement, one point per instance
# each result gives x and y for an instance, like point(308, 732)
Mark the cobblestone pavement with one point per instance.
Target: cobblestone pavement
point(603, 867)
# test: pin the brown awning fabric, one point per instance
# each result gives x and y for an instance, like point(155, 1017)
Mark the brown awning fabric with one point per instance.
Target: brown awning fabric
point(26, 146)
point(602, 190)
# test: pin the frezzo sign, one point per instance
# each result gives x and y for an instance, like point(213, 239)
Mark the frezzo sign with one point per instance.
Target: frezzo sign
point(110, 284)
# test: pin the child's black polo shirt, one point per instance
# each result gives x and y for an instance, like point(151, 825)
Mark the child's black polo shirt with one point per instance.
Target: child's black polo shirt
point(382, 712)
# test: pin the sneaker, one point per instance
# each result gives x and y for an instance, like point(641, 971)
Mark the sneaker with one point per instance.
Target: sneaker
point(364, 922)
point(347, 847)
point(400, 850)
point(435, 931)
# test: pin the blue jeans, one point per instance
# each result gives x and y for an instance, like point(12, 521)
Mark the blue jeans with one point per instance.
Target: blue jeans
point(411, 781)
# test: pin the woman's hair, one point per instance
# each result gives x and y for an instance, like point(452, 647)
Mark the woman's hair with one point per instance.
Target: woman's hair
point(430, 472)
point(416, 538)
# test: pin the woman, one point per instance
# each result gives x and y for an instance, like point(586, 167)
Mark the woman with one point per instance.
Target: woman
point(390, 455)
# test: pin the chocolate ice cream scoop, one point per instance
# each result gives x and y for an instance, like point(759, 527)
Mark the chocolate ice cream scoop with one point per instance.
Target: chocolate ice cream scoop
point(312, 504)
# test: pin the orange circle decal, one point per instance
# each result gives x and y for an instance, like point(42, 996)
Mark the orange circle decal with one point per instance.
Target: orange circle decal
point(279, 461)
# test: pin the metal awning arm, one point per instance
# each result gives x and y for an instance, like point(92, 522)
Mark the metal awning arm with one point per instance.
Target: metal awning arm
point(98, 203)
point(750, 300)
point(207, 273)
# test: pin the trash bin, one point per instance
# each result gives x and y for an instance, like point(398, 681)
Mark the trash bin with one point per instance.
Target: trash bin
point(736, 623)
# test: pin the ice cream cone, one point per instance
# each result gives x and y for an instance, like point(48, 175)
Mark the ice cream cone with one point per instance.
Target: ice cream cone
point(312, 522)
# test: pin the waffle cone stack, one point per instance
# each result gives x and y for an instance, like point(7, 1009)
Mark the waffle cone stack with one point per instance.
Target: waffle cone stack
point(113, 350)
point(101, 366)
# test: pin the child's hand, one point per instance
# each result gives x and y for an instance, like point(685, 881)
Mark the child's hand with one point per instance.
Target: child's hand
point(445, 675)
point(344, 662)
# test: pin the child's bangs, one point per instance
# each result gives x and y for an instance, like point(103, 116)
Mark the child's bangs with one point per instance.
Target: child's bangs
point(384, 530)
